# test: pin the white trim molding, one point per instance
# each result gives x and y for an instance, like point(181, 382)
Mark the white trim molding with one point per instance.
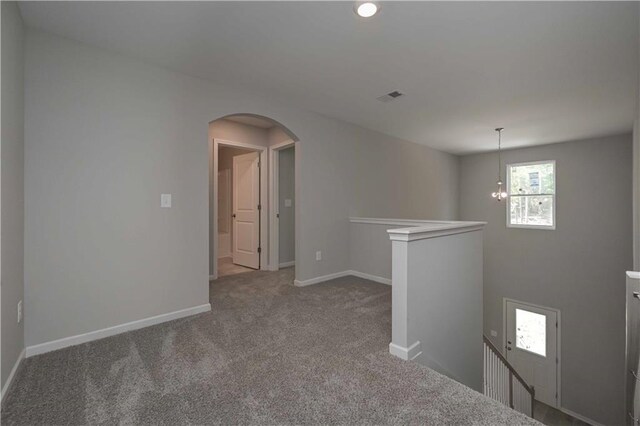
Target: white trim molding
point(407, 354)
point(634, 275)
point(112, 331)
point(12, 375)
point(434, 230)
point(396, 222)
point(274, 191)
point(214, 145)
point(321, 279)
point(580, 417)
point(347, 273)
point(370, 277)
point(287, 264)
point(508, 200)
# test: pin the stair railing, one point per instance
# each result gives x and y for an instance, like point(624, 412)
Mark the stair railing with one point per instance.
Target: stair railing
point(499, 382)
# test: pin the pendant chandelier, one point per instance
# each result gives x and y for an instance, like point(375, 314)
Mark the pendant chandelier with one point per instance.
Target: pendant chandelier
point(500, 193)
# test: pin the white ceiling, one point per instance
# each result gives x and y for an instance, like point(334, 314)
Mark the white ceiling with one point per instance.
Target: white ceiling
point(547, 72)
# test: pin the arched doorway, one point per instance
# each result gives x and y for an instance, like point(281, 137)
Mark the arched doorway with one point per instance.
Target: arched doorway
point(252, 191)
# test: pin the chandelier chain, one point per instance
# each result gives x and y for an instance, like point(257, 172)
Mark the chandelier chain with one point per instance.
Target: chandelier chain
point(499, 130)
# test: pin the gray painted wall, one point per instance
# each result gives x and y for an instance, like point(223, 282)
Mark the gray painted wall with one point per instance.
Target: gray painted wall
point(579, 268)
point(12, 203)
point(370, 248)
point(286, 190)
point(105, 135)
point(445, 313)
point(398, 180)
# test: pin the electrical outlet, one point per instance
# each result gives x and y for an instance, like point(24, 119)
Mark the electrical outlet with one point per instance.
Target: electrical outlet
point(494, 333)
point(19, 312)
point(318, 255)
point(165, 201)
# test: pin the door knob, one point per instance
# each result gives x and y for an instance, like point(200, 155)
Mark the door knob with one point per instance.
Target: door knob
point(233, 215)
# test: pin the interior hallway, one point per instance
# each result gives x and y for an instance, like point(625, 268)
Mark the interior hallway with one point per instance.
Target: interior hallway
point(267, 353)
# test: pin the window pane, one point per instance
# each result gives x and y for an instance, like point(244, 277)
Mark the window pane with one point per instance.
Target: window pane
point(531, 179)
point(531, 210)
point(531, 332)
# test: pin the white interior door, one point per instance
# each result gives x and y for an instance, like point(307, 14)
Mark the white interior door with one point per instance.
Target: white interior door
point(246, 213)
point(532, 347)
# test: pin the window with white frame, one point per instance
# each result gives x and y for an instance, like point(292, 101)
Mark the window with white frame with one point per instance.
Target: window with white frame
point(532, 195)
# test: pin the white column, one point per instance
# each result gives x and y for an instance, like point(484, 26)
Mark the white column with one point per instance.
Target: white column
point(632, 400)
point(437, 298)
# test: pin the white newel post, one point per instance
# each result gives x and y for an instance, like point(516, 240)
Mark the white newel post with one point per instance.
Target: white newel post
point(437, 298)
point(632, 367)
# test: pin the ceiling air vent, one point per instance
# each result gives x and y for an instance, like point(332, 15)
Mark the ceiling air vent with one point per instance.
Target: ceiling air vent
point(390, 96)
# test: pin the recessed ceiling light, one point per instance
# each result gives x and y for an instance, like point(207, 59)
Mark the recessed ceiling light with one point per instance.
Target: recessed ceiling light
point(366, 9)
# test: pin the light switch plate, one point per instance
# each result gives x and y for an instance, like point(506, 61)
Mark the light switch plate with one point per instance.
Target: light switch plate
point(287, 202)
point(494, 333)
point(165, 200)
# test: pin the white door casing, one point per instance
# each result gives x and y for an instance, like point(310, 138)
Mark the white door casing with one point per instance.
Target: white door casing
point(214, 146)
point(246, 212)
point(531, 343)
point(274, 167)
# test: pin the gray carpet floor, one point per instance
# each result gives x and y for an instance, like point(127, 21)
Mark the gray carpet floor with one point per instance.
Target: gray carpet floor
point(268, 353)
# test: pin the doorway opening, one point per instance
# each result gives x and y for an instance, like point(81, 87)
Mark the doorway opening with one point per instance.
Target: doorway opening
point(247, 206)
point(239, 187)
point(532, 343)
point(282, 161)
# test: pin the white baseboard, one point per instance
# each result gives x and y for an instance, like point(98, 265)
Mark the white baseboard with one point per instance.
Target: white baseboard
point(287, 264)
point(212, 277)
point(370, 277)
point(405, 353)
point(323, 278)
point(112, 331)
point(580, 417)
point(12, 374)
point(316, 280)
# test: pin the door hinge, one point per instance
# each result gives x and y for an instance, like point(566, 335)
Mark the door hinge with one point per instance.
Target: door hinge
point(278, 215)
point(259, 206)
point(259, 249)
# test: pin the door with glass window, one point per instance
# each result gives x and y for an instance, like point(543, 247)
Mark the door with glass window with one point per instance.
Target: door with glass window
point(532, 347)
